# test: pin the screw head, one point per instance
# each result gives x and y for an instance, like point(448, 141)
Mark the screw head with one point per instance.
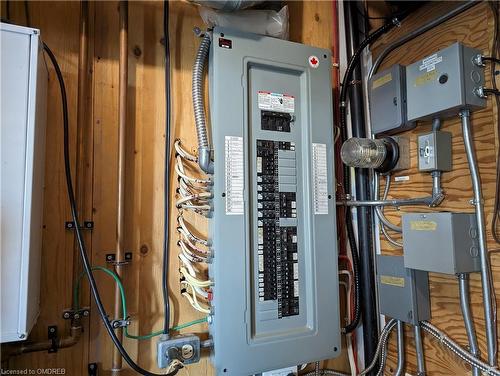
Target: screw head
point(86, 313)
point(66, 315)
point(77, 316)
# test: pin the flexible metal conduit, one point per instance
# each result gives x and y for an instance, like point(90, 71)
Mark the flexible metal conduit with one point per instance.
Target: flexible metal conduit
point(204, 160)
point(401, 349)
point(454, 347)
point(463, 284)
point(486, 278)
point(380, 351)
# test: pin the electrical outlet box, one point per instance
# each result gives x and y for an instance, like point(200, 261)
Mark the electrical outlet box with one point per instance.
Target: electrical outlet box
point(442, 84)
point(441, 242)
point(187, 348)
point(275, 296)
point(387, 90)
point(434, 151)
point(403, 293)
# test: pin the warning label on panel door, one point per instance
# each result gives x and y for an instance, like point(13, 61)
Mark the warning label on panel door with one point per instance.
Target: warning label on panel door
point(276, 102)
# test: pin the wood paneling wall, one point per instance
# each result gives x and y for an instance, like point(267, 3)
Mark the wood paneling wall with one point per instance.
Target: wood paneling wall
point(310, 22)
point(473, 28)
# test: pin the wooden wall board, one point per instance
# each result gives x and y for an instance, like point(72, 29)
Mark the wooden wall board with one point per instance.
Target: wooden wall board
point(310, 22)
point(474, 28)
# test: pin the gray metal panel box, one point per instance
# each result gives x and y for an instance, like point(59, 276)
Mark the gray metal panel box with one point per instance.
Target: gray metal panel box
point(388, 101)
point(275, 298)
point(443, 83)
point(403, 293)
point(441, 242)
point(434, 151)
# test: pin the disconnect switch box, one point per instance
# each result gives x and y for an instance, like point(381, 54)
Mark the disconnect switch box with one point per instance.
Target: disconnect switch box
point(403, 293)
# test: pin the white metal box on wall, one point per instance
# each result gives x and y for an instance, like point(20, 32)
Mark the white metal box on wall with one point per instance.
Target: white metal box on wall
point(23, 92)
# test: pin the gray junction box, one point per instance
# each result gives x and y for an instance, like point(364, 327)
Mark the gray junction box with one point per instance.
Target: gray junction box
point(444, 83)
point(441, 242)
point(403, 293)
point(275, 294)
point(388, 102)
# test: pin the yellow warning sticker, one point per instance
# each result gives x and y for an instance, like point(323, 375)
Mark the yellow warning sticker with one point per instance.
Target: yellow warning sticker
point(423, 225)
point(382, 80)
point(392, 281)
point(425, 78)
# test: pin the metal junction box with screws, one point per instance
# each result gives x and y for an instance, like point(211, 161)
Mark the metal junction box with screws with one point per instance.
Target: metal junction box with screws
point(441, 242)
point(434, 151)
point(442, 84)
point(403, 293)
point(388, 102)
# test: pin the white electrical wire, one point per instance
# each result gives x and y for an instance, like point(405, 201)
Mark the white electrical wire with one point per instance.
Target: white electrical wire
point(350, 350)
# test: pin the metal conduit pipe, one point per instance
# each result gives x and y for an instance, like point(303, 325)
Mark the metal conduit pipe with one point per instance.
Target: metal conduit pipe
point(489, 303)
point(401, 349)
point(463, 285)
point(116, 365)
point(204, 160)
point(415, 33)
point(455, 348)
point(60, 343)
point(419, 351)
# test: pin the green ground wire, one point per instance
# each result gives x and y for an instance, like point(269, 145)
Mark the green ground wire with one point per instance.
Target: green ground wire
point(76, 303)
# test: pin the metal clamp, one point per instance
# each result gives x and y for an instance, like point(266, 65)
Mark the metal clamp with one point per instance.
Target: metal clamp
point(71, 314)
point(120, 323)
point(92, 369)
point(87, 225)
point(52, 335)
point(111, 259)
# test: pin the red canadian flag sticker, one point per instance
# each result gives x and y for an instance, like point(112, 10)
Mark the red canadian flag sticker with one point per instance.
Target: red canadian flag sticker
point(313, 61)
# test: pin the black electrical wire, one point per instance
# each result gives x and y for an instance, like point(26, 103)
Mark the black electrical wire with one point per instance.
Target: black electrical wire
point(347, 172)
point(495, 50)
point(166, 177)
point(492, 59)
point(81, 243)
point(491, 91)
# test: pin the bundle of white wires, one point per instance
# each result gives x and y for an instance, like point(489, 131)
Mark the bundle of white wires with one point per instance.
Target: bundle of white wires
point(194, 194)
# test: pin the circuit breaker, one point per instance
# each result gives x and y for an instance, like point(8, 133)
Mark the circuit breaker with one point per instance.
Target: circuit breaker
point(275, 295)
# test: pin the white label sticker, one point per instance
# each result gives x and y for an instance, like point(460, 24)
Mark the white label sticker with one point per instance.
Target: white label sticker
point(429, 63)
point(234, 175)
point(401, 178)
point(276, 102)
point(320, 179)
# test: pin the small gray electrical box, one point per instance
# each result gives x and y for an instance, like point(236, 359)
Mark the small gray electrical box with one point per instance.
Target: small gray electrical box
point(434, 151)
point(388, 102)
point(441, 242)
point(403, 293)
point(443, 83)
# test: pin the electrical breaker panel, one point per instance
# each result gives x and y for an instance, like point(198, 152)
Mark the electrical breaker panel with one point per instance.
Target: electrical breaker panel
point(275, 295)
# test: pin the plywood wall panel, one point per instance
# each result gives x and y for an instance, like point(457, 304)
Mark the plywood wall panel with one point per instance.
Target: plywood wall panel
point(473, 28)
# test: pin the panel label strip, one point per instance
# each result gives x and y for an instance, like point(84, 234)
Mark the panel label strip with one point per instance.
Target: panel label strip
point(320, 179)
point(234, 175)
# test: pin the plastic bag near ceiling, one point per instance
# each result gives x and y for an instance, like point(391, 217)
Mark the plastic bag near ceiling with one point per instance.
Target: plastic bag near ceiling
point(264, 22)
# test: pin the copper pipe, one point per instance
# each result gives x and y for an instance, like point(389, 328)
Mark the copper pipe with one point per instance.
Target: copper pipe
point(122, 124)
point(81, 121)
point(72, 339)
